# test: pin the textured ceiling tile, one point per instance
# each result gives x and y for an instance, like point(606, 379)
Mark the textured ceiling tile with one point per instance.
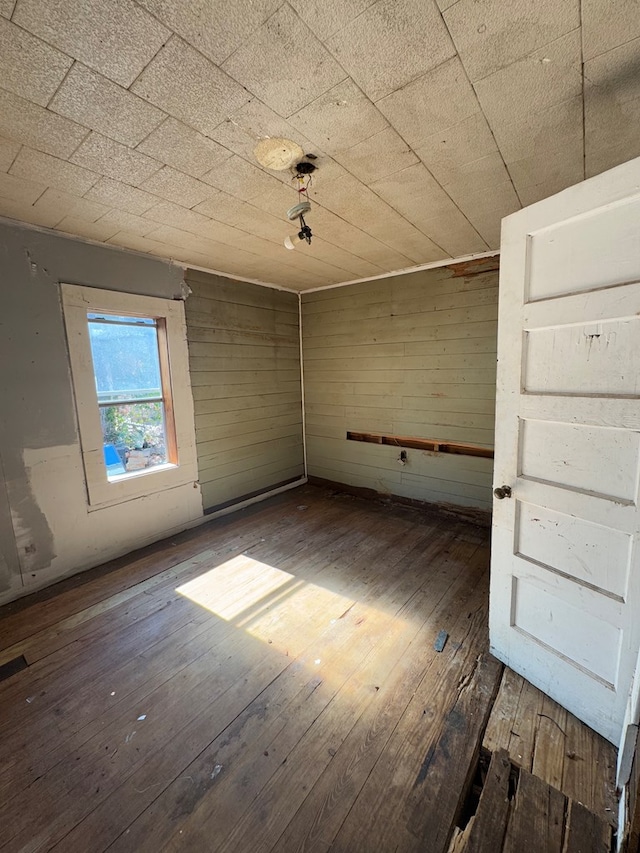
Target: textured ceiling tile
point(362, 207)
point(486, 209)
point(624, 148)
point(120, 220)
point(215, 27)
point(445, 154)
point(548, 130)
point(491, 34)
point(183, 148)
point(175, 216)
point(100, 231)
point(453, 231)
point(536, 192)
point(6, 8)
point(240, 179)
point(177, 187)
point(284, 64)
point(325, 251)
point(18, 189)
point(241, 131)
point(555, 170)
point(277, 199)
point(236, 237)
point(546, 77)
point(29, 67)
point(122, 196)
point(326, 17)
point(616, 74)
point(414, 193)
point(117, 38)
point(8, 153)
point(378, 156)
point(52, 172)
point(612, 108)
point(392, 43)
point(417, 196)
point(59, 204)
point(607, 25)
point(226, 208)
point(138, 244)
point(184, 84)
point(250, 220)
point(336, 230)
point(340, 118)
point(114, 160)
point(96, 102)
point(37, 127)
point(431, 104)
point(246, 217)
point(22, 211)
point(474, 176)
point(500, 198)
point(191, 242)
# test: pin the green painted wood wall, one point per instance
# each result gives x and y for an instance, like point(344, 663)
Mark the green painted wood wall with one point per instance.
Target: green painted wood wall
point(410, 355)
point(244, 357)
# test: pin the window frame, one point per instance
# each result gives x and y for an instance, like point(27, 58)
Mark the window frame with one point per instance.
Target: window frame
point(77, 302)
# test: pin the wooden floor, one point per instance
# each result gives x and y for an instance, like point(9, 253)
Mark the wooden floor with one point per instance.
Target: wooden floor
point(268, 682)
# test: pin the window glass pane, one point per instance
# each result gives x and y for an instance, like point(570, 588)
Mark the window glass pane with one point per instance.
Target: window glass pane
point(134, 437)
point(125, 358)
point(116, 318)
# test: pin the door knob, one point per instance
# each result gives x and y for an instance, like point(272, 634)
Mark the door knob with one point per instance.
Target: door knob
point(502, 492)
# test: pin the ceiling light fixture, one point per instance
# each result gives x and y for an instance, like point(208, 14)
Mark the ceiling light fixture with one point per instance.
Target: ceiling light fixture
point(302, 174)
point(304, 234)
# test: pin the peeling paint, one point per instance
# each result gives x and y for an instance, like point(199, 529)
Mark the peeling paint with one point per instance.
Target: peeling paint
point(45, 529)
point(475, 266)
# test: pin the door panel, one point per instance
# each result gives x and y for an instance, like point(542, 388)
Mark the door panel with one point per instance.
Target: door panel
point(565, 579)
point(569, 546)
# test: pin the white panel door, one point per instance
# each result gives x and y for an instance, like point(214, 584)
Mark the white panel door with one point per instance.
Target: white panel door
point(565, 571)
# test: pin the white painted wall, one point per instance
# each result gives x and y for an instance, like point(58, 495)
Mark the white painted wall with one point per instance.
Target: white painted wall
point(47, 528)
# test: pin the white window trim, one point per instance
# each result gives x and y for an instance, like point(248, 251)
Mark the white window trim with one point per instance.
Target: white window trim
point(101, 492)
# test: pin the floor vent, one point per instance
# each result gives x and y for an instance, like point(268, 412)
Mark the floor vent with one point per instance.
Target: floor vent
point(12, 666)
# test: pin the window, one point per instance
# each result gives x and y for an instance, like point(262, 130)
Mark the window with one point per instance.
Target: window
point(134, 392)
point(129, 365)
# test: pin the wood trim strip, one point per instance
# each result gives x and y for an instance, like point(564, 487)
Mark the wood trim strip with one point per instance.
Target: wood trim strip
point(430, 444)
point(167, 392)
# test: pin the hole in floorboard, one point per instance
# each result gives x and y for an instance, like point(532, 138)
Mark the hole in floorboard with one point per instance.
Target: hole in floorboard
point(472, 799)
point(13, 666)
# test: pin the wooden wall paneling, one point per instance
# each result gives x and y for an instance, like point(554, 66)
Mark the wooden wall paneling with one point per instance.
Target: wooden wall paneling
point(409, 355)
point(244, 360)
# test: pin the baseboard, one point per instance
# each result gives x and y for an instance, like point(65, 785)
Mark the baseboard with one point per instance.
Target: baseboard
point(479, 517)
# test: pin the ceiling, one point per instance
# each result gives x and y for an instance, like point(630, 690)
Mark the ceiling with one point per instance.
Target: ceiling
point(134, 123)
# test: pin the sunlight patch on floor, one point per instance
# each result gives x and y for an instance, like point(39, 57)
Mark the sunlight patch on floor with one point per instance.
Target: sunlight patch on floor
point(264, 601)
point(235, 586)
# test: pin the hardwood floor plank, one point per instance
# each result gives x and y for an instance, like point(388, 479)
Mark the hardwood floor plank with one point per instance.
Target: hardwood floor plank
point(46, 608)
point(537, 818)
point(378, 815)
point(523, 733)
point(213, 809)
point(486, 831)
point(328, 803)
point(315, 603)
point(550, 743)
point(446, 773)
point(586, 832)
point(502, 720)
point(265, 683)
